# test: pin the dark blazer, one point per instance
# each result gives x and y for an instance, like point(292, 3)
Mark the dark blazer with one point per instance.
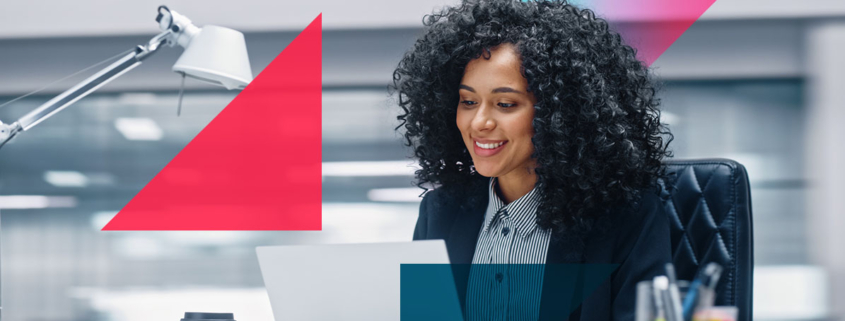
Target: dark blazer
point(637, 240)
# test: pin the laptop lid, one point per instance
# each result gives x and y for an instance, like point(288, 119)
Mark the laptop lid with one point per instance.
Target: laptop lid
point(343, 281)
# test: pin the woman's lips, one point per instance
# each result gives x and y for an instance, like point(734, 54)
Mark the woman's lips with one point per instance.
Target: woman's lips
point(482, 151)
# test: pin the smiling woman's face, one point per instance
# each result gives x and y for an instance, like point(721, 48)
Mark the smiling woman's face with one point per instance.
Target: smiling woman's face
point(495, 112)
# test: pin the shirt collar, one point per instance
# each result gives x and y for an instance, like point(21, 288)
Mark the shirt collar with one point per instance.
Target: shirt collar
point(522, 212)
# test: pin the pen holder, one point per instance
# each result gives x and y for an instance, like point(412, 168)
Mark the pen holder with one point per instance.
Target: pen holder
point(652, 307)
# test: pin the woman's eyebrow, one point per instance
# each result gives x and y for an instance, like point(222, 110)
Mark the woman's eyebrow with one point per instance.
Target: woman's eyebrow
point(506, 90)
point(495, 91)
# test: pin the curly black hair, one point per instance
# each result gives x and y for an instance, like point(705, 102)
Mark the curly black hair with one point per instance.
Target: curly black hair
point(598, 138)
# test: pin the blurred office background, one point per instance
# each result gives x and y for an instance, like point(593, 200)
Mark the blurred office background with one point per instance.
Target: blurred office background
point(758, 81)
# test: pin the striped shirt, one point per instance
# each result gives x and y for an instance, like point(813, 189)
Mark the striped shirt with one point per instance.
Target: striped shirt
point(507, 271)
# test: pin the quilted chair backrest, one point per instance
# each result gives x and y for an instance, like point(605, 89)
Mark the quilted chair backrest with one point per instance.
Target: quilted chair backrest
point(709, 207)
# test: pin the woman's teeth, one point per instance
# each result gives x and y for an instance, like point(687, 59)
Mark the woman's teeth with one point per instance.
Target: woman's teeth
point(489, 146)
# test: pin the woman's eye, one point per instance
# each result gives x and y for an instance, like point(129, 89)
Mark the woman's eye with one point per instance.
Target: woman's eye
point(468, 102)
point(506, 105)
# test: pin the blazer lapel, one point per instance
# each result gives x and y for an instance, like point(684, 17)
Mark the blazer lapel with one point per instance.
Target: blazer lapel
point(463, 237)
point(469, 216)
point(556, 253)
point(556, 303)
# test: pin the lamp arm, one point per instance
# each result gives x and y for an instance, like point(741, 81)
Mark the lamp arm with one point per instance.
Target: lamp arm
point(87, 86)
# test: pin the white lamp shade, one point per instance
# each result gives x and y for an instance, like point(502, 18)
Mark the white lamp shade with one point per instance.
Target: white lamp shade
point(217, 55)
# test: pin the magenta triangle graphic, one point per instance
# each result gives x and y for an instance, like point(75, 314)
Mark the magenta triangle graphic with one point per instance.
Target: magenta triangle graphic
point(256, 166)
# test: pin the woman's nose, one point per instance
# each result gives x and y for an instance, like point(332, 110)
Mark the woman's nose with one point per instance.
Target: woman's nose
point(483, 120)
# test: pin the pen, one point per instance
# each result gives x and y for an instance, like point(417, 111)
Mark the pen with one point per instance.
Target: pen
point(674, 311)
point(644, 311)
point(707, 294)
point(660, 283)
point(715, 273)
point(706, 281)
point(691, 298)
point(670, 273)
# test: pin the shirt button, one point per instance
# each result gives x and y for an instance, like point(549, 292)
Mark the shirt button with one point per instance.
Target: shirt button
point(505, 212)
point(505, 230)
point(499, 277)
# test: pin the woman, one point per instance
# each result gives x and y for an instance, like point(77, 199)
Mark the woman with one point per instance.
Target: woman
point(541, 131)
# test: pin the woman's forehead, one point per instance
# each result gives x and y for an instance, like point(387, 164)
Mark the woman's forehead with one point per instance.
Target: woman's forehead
point(502, 68)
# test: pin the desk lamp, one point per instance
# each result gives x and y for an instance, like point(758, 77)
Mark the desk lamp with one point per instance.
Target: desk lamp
point(212, 54)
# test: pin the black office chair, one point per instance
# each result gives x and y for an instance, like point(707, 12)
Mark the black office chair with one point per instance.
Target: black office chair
point(710, 217)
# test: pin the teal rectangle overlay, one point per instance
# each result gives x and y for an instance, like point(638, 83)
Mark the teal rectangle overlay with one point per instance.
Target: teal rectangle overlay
point(427, 292)
point(553, 291)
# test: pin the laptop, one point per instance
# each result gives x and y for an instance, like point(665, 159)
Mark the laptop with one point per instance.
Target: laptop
point(351, 281)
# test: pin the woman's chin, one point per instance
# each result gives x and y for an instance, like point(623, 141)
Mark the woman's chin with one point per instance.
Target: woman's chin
point(486, 172)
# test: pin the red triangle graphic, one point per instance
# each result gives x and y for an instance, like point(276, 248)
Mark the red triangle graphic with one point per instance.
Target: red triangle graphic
point(256, 166)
